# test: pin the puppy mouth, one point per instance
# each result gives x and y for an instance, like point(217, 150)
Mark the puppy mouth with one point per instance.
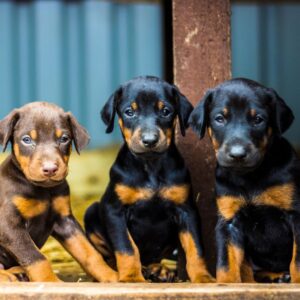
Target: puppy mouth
point(50, 181)
point(245, 165)
point(140, 150)
point(47, 182)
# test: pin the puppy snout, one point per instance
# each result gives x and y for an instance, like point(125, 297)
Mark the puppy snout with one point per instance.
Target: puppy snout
point(49, 168)
point(237, 152)
point(150, 139)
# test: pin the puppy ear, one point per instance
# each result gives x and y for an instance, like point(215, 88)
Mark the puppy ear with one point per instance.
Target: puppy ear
point(108, 112)
point(81, 137)
point(284, 116)
point(7, 127)
point(199, 117)
point(184, 108)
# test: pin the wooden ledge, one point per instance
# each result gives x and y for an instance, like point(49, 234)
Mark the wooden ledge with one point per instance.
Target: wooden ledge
point(66, 291)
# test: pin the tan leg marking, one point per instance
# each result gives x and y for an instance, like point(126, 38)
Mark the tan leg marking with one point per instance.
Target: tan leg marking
point(100, 245)
point(195, 265)
point(247, 273)
point(232, 274)
point(6, 276)
point(129, 266)
point(88, 257)
point(295, 267)
point(41, 271)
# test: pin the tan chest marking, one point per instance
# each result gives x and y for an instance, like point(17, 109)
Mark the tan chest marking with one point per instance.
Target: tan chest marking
point(176, 193)
point(30, 208)
point(280, 196)
point(62, 205)
point(130, 195)
point(228, 206)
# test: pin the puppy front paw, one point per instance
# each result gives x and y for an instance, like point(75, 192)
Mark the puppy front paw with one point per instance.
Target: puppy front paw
point(203, 278)
point(6, 276)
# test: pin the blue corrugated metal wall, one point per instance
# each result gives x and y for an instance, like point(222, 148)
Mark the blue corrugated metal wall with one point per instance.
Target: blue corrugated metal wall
point(266, 47)
point(76, 53)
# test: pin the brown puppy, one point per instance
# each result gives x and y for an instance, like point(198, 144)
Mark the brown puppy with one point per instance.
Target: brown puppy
point(35, 196)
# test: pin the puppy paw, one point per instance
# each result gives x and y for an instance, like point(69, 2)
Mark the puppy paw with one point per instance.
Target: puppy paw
point(133, 277)
point(6, 276)
point(203, 278)
point(109, 276)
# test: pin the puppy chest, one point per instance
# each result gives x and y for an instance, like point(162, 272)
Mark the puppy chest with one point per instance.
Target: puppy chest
point(176, 194)
point(152, 226)
point(280, 197)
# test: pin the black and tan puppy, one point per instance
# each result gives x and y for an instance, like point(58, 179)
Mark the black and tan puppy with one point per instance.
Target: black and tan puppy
point(34, 194)
point(147, 207)
point(257, 181)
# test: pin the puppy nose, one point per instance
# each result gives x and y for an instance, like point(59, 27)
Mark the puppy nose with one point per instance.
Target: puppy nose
point(237, 152)
point(149, 139)
point(49, 168)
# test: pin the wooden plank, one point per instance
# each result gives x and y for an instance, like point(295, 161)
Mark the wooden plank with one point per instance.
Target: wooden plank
point(201, 46)
point(184, 291)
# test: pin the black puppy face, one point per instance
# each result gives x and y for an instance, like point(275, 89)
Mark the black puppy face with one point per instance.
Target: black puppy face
point(242, 118)
point(147, 108)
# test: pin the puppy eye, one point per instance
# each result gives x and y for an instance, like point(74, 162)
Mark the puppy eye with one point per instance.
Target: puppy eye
point(26, 139)
point(129, 112)
point(64, 139)
point(258, 120)
point(220, 119)
point(165, 112)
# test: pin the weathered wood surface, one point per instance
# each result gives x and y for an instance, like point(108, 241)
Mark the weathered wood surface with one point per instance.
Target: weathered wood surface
point(184, 291)
point(201, 49)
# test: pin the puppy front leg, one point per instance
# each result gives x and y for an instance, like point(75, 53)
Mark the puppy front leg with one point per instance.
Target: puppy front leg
point(295, 263)
point(230, 255)
point(126, 252)
point(19, 243)
point(189, 239)
point(69, 233)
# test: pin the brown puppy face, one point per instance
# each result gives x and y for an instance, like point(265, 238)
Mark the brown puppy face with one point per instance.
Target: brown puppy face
point(41, 135)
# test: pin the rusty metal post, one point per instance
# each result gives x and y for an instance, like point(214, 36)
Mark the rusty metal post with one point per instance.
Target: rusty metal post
point(201, 49)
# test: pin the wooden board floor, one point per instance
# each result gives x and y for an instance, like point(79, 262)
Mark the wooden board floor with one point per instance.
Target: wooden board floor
point(186, 291)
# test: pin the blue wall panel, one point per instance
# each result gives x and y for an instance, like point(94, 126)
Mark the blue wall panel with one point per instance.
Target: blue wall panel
point(266, 47)
point(75, 54)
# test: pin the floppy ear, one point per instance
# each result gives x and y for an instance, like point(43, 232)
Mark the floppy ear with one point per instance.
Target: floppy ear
point(81, 137)
point(108, 112)
point(284, 116)
point(184, 108)
point(7, 127)
point(199, 117)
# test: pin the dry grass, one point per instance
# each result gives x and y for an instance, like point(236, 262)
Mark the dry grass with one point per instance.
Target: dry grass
point(88, 177)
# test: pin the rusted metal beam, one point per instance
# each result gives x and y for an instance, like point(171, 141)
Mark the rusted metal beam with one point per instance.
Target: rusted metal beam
point(54, 291)
point(201, 48)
